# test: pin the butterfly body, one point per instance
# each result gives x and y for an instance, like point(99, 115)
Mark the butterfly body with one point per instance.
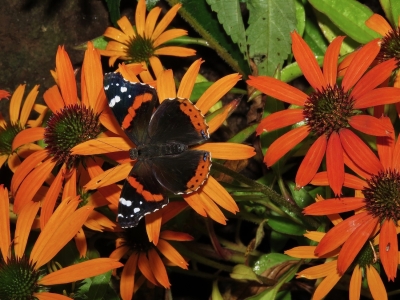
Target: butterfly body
point(163, 135)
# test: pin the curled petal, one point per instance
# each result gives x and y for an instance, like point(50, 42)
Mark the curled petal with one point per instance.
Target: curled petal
point(128, 277)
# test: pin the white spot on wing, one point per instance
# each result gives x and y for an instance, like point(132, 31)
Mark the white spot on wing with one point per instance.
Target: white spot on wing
point(114, 100)
point(136, 210)
point(124, 202)
point(123, 89)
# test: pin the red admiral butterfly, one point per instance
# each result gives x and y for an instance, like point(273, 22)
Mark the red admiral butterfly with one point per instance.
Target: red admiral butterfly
point(162, 135)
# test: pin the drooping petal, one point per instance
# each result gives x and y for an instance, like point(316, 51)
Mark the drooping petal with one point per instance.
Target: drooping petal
point(385, 145)
point(216, 91)
point(28, 135)
point(231, 151)
point(216, 191)
point(80, 242)
point(378, 24)
point(213, 211)
point(172, 210)
point(189, 79)
point(153, 226)
point(355, 283)
point(175, 236)
point(66, 77)
point(318, 271)
point(354, 244)
point(370, 125)
point(219, 116)
point(278, 89)
point(388, 248)
point(5, 240)
point(170, 253)
point(24, 225)
point(339, 234)
point(195, 202)
point(280, 119)
point(302, 252)
point(158, 268)
point(284, 144)
point(140, 17)
point(28, 105)
point(307, 62)
point(165, 21)
point(376, 286)
point(97, 221)
point(128, 277)
point(166, 85)
point(335, 163)
point(331, 61)
point(80, 271)
point(146, 269)
point(311, 162)
point(334, 206)
point(151, 21)
point(326, 285)
point(360, 63)
point(359, 152)
point(379, 96)
point(373, 78)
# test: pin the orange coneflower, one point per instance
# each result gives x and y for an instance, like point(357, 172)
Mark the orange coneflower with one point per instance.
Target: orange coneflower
point(18, 122)
point(205, 199)
point(331, 112)
point(144, 255)
point(21, 275)
point(379, 201)
point(146, 41)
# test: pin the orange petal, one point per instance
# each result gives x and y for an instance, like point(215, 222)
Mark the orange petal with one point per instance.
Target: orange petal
point(66, 77)
point(120, 252)
point(195, 202)
point(220, 115)
point(396, 155)
point(175, 236)
point(219, 195)
point(24, 225)
point(116, 35)
point(126, 27)
point(189, 79)
point(315, 236)
point(380, 96)
point(4, 94)
point(376, 286)
point(69, 190)
point(339, 234)
point(355, 283)
point(80, 271)
point(175, 51)
point(334, 206)
point(350, 180)
point(50, 296)
point(145, 268)
point(305, 58)
point(165, 21)
point(32, 183)
point(311, 162)
point(97, 221)
point(335, 163)
point(216, 91)
point(108, 177)
point(156, 65)
point(128, 277)
point(302, 252)
point(359, 152)
point(166, 85)
point(370, 125)
point(231, 151)
point(5, 240)
point(278, 89)
point(15, 103)
point(158, 268)
point(53, 99)
point(385, 145)
point(373, 78)
point(153, 226)
point(388, 248)
point(151, 21)
point(356, 241)
point(101, 145)
point(28, 105)
point(26, 167)
point(169, 35)
point(319, 271)
point(330, 66)
point(326, 285)
point(140, 17)
point(379, 24)
point(280, 119)
point(360, 63)
point(80, 242)
point(172, 210)
point(284, 144)
point(212, 209)
point(28, 135)
point(130, 71)
point(171, 254)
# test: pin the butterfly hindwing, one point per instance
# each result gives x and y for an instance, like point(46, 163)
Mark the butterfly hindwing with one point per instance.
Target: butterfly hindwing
point(132, 103)
point(178, 120)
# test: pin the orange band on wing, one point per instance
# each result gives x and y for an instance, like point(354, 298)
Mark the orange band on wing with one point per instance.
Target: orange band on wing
point(201, 174)
point(140, 190)
point(195, 115)
point(137, 102)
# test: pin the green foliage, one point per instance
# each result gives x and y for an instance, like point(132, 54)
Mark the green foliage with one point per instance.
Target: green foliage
point(113, 9)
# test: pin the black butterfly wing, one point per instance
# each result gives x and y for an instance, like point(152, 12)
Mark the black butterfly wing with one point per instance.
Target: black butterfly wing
point(182, 173)
point(178, 120)
point(141, 194)
point(132, 103)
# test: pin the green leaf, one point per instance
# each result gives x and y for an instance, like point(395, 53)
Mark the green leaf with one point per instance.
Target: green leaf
point(300, 16)
point(293, 71)
point(199, 15)
point(392, 11)
point(113, 9)
point(100, 284)
point(151, 3)
point(242, 272)
point(285, 226)
point(230, 16)
point(300, 196)
point(349, 16)
point(244, 134)
point(268, 261)
point(99, 43)
point(313, 34)
point(270, 24)
point(216, 294)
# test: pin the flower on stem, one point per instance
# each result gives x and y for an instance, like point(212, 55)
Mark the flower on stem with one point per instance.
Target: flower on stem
point(21, 275)
point(19, 120)
point(331, 112)
point(204, 200)
point(144, 43)
point(377, 204)
point(144, 256)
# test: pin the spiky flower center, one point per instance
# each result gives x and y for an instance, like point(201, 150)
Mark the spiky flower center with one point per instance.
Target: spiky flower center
point(382, 196)
point(73, 125)
point(367, 255)
point(390, 46)
point(136, 238)
point(328, 110)
point(7, 135)
point(18, 279)
point(140, 49)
